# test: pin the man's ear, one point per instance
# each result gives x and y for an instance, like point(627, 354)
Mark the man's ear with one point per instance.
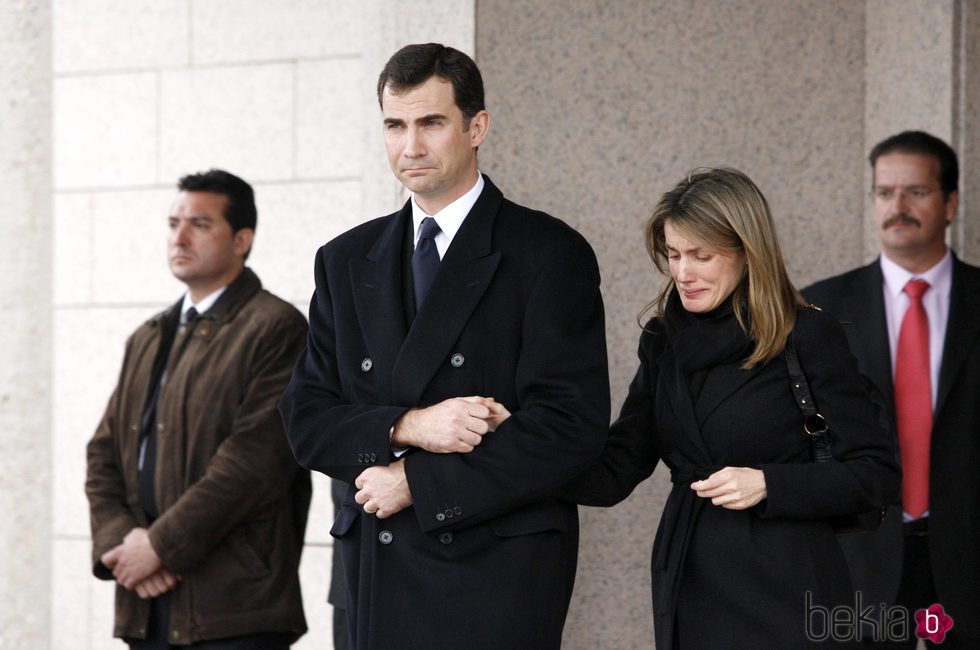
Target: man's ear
point(479, 125)
point(952, 205)
point(242, 241)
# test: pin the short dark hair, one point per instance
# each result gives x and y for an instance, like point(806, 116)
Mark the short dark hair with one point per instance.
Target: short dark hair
point(240, 211)
point(413, 65)
point(923, 144)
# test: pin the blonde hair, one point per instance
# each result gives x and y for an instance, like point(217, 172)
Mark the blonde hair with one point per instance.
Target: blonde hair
point(725, 211)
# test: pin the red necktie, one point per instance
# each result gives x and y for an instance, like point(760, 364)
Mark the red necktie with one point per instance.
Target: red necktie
point(913, 400)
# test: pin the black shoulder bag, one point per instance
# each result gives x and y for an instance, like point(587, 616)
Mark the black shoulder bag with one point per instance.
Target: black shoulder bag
point(816, 428)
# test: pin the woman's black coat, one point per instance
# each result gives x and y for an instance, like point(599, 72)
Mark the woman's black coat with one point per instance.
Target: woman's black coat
point(740, 578)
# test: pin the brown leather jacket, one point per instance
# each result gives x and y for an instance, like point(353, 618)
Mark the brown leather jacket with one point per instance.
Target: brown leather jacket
point(232, 499)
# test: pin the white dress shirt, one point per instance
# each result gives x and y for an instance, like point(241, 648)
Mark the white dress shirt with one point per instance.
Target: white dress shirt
point(450, 218)
point(935, 301)
point(202, 306)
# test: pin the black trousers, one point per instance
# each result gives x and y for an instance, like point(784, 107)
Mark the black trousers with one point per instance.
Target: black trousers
point(917, 591)
point(341, 637)
point(158, 631)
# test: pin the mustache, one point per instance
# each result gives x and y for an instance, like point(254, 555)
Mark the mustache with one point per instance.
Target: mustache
point(901, 218)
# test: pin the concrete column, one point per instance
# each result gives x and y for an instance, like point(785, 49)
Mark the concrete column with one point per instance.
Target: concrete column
point(25, 321)
point(913, 80)
point(965, 237)
point(394, 24)
point(922, 72)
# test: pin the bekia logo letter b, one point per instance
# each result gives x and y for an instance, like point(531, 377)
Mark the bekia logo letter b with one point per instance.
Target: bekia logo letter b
point(932, 623)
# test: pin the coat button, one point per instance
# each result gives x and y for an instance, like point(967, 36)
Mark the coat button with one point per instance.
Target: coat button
point(159, 426)
point(175, 635)
point(385, 537)
point(204, 330)
point(360, 458)
point(440, 517)
point(457, 360)
point(457, 510)
point(449, 513)
point(366, 365)
point(446, 538)
point(374, 458)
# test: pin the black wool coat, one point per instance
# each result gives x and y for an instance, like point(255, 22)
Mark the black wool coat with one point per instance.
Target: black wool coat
point(485, 558)
point(739, 578)
point(856, 299)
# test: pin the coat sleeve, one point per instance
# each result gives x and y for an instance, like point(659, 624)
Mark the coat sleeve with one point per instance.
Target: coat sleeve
point(562, 416)
point(326, 431)
point(109, 513)
point(630, 455)
point(864, 474)
point(252, 468)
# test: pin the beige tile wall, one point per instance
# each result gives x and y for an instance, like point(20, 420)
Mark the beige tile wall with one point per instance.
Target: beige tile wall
point(144, 92)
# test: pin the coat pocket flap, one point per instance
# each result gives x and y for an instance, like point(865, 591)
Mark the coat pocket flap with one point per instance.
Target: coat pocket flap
point(534, 519)
point(345, 519)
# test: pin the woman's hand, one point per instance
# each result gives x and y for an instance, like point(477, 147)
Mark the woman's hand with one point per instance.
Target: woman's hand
point(735, 488)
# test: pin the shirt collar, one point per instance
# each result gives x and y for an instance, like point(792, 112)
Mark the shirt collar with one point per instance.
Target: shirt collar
point(451, 217)
point(205, 304)
point(896, 277)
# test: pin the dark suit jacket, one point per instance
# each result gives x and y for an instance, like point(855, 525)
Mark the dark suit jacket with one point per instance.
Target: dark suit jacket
point(726, 578)
point(856, 299)
point(485, 558)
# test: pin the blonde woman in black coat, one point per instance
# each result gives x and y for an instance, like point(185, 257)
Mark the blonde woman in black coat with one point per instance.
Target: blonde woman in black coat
point(745, 543)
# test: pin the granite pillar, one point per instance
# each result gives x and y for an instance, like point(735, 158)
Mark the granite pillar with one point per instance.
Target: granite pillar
point(25, 320)
point(965, 237)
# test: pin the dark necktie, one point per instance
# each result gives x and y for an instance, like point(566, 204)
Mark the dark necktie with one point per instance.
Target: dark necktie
point(148, 449)
point(425, 260)
point(913, 400)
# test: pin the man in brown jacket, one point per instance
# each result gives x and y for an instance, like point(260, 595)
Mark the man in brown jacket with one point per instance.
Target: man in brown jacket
point(198, 508)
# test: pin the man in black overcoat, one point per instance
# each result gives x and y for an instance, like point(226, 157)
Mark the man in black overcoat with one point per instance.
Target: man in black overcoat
point(926, 550)
point(422, 323)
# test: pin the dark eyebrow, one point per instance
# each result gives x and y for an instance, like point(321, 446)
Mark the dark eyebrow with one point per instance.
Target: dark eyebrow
point(431, 117)
point(422, 120)
point(192, 218)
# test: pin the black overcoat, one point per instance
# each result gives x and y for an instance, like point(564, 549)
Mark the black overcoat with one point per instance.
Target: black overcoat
point(485, 558)
point(739, 578)
point(856, 299)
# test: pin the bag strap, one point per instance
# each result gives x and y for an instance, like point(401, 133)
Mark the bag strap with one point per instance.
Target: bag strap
point(814, 424)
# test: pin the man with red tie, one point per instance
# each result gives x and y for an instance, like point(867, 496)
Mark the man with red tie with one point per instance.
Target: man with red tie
point(913, 321)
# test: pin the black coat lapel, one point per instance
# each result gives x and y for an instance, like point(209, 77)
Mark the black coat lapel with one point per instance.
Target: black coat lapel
point(869, 334)
point(680, 402)
point(464, 274)
point(377, 290)
point(720, 384)
point(962, 329)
